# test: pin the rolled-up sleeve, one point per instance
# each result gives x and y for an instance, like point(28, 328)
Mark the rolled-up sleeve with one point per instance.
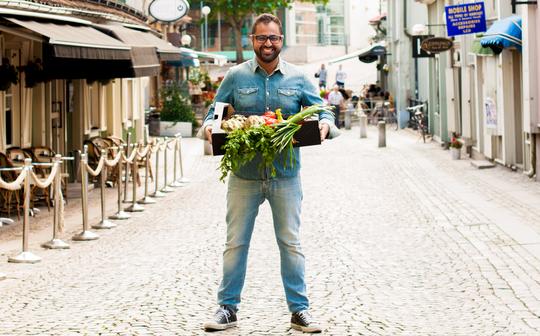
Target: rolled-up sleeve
point(224, 95)
point(310, 97)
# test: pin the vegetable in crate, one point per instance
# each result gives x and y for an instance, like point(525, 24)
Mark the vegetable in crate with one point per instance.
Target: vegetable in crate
point(267, 135)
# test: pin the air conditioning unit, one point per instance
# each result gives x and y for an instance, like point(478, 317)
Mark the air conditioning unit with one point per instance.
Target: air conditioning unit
point(426, 2)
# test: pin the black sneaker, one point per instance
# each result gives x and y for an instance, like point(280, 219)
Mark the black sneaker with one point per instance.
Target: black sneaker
point(224, 318)
point(303, 321)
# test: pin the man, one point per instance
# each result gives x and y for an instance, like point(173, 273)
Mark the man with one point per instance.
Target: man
point(340, 77)
point(335, 98)
point(321, 74)
point(265, 83)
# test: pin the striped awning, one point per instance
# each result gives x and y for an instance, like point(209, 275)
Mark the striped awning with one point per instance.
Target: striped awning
point(504, 33)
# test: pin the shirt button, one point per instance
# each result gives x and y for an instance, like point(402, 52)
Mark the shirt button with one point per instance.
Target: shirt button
point(267, 93)
point(267, 78)
point(268, 108)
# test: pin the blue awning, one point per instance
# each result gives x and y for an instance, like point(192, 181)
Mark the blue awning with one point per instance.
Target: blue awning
point(502, 34)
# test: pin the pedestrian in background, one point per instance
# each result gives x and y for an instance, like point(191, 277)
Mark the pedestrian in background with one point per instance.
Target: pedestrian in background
point(261, 84)
point(341, 76)
point(335, 98)
point(322, 75)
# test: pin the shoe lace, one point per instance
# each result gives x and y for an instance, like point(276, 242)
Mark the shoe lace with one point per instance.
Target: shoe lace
point(223, 312)
point(305, 316)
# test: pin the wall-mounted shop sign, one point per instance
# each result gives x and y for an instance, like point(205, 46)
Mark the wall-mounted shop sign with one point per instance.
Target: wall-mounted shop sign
point(168, 10)
point(417, 50)
point(465, 19)
point(437, 45)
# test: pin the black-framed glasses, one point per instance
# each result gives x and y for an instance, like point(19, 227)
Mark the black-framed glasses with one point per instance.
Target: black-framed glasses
point(263, 38)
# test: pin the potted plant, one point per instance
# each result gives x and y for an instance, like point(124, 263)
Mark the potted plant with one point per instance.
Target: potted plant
point(455, 146)
point(8, 75)
point(176, 115)
point(34, 73)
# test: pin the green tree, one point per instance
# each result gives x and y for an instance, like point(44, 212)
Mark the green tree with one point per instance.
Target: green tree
point(236, 12)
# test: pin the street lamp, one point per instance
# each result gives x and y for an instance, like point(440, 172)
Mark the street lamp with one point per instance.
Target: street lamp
point(205, 11)
point(185, 40)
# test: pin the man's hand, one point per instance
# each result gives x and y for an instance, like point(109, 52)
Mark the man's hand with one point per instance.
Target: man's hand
point(323, 129)
point(208, 133)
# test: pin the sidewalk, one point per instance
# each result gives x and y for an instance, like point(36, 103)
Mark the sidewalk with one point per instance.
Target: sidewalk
point(398, 241)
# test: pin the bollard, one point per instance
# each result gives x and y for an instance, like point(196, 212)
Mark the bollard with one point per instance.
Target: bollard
point(381, 125)
point(363, 126)
point(126, 179)
point(348, 116)
point(26, 256)
point(104, 223)
point(175, 183)
point(85, 234)
point(182, 178)
point(157, 193)
point(166, 188)
point(120, 214)
point(56, 243)
point(134, 207)
point(147, 199)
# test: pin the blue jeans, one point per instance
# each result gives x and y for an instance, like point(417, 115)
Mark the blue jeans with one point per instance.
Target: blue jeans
point(243, 200)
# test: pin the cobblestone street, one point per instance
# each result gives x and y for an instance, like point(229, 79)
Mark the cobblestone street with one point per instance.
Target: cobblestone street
point(398, 241)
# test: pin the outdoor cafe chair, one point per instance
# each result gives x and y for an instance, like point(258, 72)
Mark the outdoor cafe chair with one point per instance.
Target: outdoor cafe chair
point(8, 196)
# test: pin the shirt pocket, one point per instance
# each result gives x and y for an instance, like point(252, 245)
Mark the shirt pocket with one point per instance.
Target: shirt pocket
point(289, 100)
point(246, 98)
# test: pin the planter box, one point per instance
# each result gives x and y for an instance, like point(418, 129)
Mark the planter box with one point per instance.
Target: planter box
point(170, 128)
point(456, 153)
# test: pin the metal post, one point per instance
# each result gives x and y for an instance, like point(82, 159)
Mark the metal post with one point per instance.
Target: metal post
point(175, 183)
point(56, 243)
point(120, 214)
point(157, 193)
point(104, 223)
point(182, 179)
point(25, 256)
point(363, 126)
point(85, 234)
point(166, 188)
point(348, 116)
point(147, 199)
point(134, 207)
point(126, 180)
point(381, 125)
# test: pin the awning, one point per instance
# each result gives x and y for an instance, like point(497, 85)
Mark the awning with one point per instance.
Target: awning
point(76, 41)
point(366, 55)
point(229, 55)
point(188, 58)
point(137, 37)
point(477, 49)
point(217, 57)
point(505, 33)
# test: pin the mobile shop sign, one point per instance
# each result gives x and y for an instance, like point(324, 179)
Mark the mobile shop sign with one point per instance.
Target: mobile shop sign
point(465, 19)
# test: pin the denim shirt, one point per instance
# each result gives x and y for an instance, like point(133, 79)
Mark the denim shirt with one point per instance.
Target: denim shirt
point(250, 90)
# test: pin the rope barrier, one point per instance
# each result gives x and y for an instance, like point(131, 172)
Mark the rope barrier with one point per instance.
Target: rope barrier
point(104, 223)
point(49, 180)
point(85, 235)
point(17, 184)
point(26, 256)
point(99, 168)
point(58, 215)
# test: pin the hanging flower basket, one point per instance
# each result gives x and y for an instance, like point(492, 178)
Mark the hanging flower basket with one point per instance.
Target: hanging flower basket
point(34, 73)
point(8, 75)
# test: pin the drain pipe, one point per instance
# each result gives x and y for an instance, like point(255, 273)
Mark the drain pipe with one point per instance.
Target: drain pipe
point(532, 171)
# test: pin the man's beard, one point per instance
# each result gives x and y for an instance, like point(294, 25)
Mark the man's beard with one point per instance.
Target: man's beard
point(267, 58)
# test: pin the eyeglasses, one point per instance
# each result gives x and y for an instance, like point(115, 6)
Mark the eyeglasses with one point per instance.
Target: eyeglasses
point(262, 38)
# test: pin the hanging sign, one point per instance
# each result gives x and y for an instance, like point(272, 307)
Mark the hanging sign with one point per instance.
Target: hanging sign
point(168, 10)
point(417, 50)
point(465, 19)
point(437, 45)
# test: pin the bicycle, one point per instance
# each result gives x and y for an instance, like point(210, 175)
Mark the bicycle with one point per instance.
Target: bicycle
point(418, 120)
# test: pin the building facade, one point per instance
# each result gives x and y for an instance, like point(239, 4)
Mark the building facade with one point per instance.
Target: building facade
point(487, 95)
point(83, 71)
